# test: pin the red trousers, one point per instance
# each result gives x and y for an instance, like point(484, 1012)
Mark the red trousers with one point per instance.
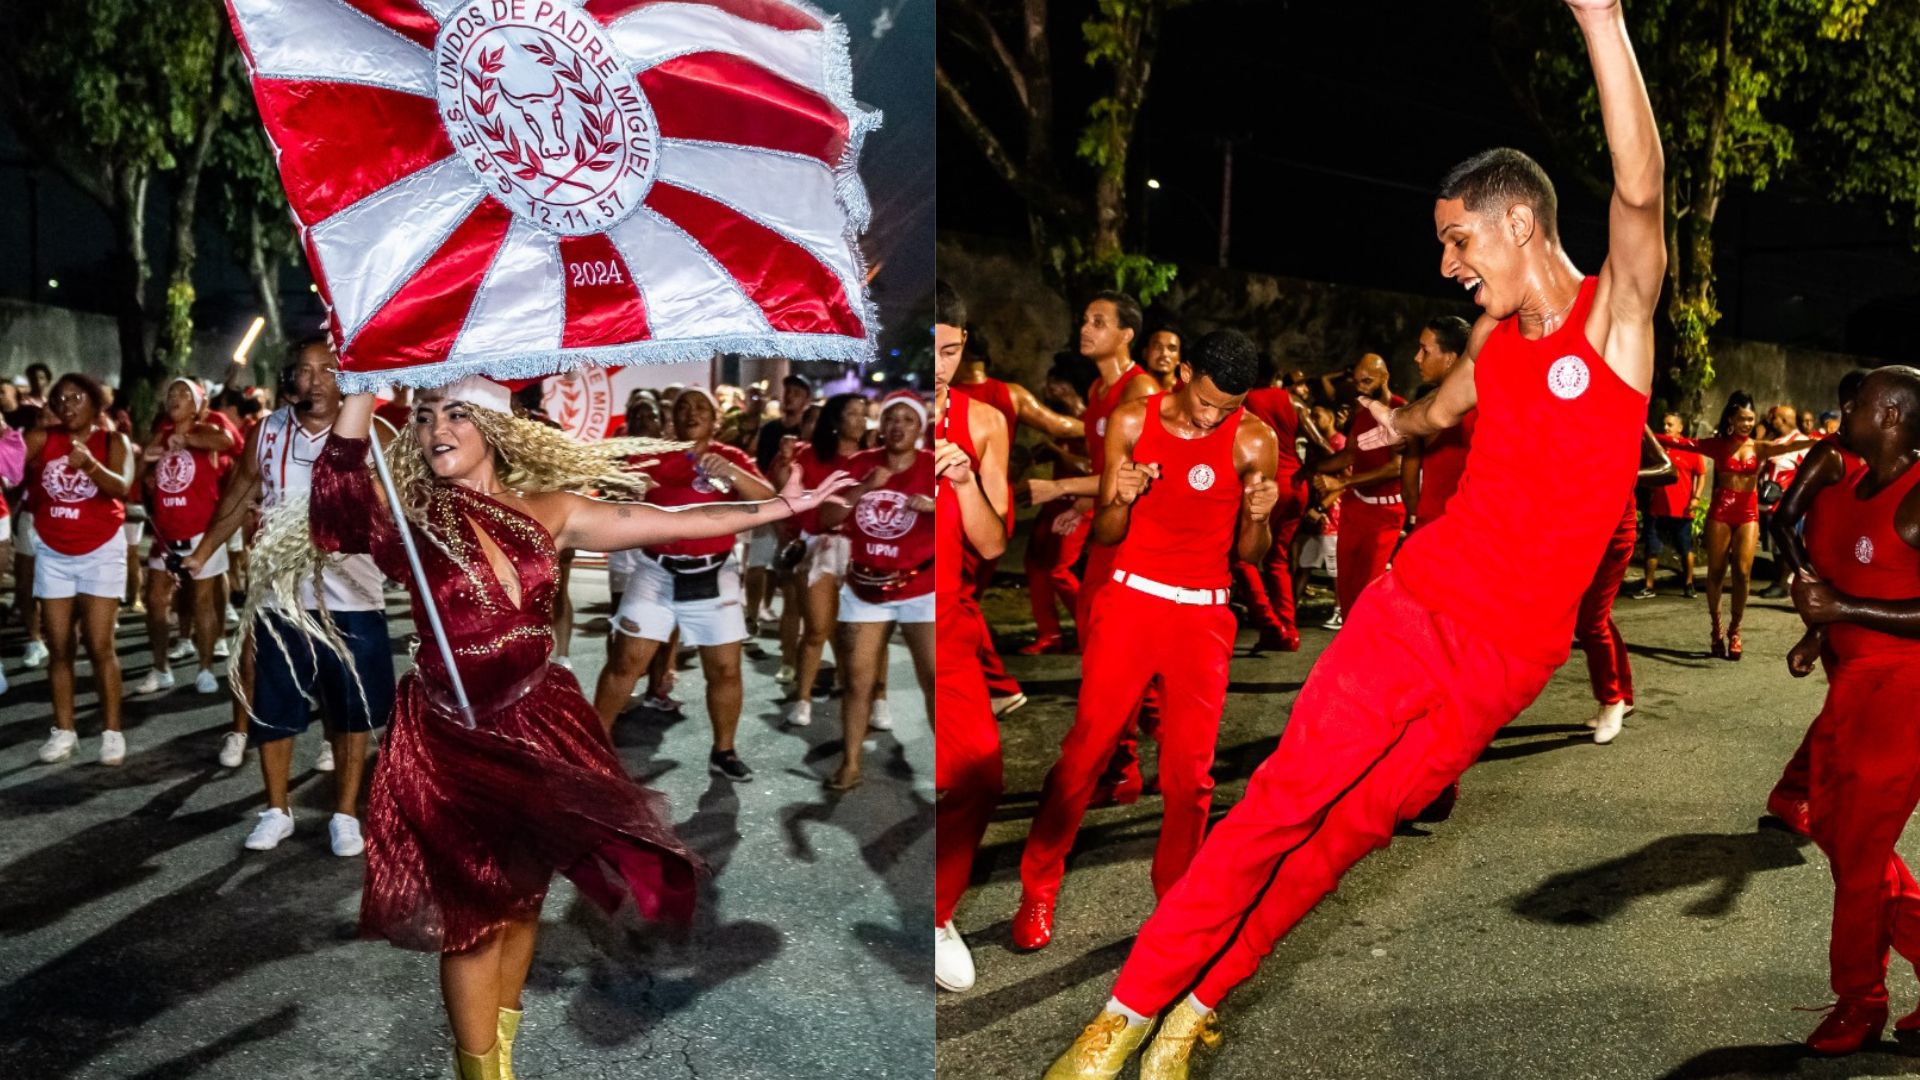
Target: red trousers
point(967, 770)
point(1049, 561)
point(978, 574)
point(1607, 666)
point(1126, 753)
point(1394, 711)
point(1796, 780)
point(1131, 639)
point(1269, 586)
point(1368, 533)
point(1865, 758)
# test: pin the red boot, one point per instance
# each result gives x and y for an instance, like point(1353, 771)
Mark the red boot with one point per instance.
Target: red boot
point(1795, 814)
point(1044, 646)
point(1441, 808)
point(1851, 1025)
point(1275, 639)
point(1033, 924)
point(1123, 790)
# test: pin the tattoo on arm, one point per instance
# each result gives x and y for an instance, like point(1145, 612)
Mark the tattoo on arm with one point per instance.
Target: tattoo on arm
point(624, 510)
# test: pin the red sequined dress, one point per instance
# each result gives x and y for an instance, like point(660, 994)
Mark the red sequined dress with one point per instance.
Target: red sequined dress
point(465, 828)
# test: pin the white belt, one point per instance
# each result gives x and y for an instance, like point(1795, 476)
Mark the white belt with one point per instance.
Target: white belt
point(1199, 597)
point(1378, 500)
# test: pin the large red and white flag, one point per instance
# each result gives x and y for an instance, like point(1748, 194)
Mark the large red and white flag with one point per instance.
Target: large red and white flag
point(515, 187)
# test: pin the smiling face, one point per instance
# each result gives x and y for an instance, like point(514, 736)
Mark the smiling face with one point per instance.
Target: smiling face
point(1101, 334)
point(1740, 424)
point(1482, 253)
point(1162, 354)
point(448, 438)
point(693, 417)
point(900, 428)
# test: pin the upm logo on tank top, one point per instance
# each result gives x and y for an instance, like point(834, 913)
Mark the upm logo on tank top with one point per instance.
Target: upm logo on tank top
point(66, 484)
point(884, 515)
point(175, 473)
point(1568, 378)
point(1200, 477)
point(1864, 550)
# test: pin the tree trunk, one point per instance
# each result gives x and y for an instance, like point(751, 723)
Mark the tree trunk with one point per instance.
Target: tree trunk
point(264, 269)
point(130, 253)
point(176, 350)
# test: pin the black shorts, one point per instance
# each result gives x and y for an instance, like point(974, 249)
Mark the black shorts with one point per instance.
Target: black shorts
point(1673, 533)
point(288, 669)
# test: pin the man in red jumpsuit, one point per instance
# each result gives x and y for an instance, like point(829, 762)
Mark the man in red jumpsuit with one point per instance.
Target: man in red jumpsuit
point(970, 463)
point(1188, 488)
point(1449, 646)
point(1857, 586)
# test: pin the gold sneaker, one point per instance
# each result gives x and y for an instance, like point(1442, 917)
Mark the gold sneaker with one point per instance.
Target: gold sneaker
point(508, 1029)
point(1101, 1049)
point(1167, 1058)
point(481, 1067)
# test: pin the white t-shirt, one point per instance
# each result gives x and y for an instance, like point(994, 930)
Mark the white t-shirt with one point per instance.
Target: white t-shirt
point(287, 454)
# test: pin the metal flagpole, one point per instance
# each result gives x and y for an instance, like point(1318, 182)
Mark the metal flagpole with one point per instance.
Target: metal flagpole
point(420, 582)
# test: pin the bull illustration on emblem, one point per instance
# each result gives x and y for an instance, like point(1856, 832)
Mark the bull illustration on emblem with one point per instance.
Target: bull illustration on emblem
point(175, 473)
point(548, 117)
point(66, 484)
point(884, 515)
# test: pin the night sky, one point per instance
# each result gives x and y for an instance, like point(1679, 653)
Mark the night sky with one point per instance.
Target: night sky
point(892, 73)
point(1345, 116)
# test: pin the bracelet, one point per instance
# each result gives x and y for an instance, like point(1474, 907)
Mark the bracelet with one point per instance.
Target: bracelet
point(791, 512)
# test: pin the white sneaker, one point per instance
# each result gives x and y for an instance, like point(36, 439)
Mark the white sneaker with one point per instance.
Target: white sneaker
point(59, 746)
point(273, 827)
point(1334, 623)
point(182, 650)
point(1606, 725)
point(233, 749)
point(343, 833)
point(786, 674)
point(564, 661)
point(881, 718)
point(222, 650)
point(661, 703)
point(233, 617)
point(1004, 705)
point(324, 763)
point(205, 682)
point(952, 960)
point(800, 714)
point(35, 655)
point(154, 683)
point(113, 748)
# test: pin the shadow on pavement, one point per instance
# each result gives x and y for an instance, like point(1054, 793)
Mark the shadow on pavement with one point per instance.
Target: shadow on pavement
point(1792, 1059)
point(964, 1017)
point(1691, 860)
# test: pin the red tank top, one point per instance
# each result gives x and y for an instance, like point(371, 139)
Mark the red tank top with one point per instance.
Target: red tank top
point(888, 535)
point(1853, 545)
point(949, 534)
point(1276, 407)
point(995, 393)
point(677, 482)
point(1512, 500)
point(813, 472)
point(186, 484)
point(1442, 463)
point(1100, 406)
point(1181, 532)
point(70, 512)
point(1369, 460)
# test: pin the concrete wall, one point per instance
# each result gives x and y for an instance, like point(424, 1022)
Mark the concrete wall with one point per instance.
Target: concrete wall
point(1310, 325)
point(67, 340)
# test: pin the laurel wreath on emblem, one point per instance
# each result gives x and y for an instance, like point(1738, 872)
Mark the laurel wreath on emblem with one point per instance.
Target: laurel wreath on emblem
point(484, 99)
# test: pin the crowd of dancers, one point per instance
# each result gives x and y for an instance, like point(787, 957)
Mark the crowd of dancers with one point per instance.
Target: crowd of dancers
point(273, 548)
point(1192, 492)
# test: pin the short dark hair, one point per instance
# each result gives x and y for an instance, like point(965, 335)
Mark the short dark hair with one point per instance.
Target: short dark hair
point(1169, 327)
point(1493, 180)
point(1127, 308)
point(798, 380)
point(299, 346)
point(40, 367)
point(1228, 357)
point(948, 308)
point(90, 386)
point(977, 346)
point(1451, 331)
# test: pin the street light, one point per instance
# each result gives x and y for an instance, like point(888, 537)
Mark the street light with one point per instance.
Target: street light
point(1154, 184)
point(53, 283)
point(246, 343)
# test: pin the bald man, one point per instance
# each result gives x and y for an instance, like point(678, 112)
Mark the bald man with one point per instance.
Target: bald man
point(1857, 587)
point(1371, 511)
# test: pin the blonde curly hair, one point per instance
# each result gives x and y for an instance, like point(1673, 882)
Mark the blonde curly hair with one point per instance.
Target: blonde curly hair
point(528, 457)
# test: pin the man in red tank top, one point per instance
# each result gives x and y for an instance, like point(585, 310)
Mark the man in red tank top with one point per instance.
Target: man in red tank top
point(1371, 510)
point(1268, 585)
point(1060, 532)
point(1857, 586)
point(1430, 468)
point(1017, 405)
point(1442, 651)
point(970, 469)
point(1188, 488)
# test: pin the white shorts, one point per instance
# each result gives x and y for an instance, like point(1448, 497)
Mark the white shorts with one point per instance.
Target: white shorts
point(763, 546)
point(100, 572)
point(648, 610)
point(620, 568)
point(914, 609)
point(827, 557)
point(134, 530)
point(216, 563)
point(1319, 553)
point(237, 543)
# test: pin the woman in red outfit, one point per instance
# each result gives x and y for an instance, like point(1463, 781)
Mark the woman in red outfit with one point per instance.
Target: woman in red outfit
point(837, 435)
point(466, 826)
point(1733, 522)
point(182, 469)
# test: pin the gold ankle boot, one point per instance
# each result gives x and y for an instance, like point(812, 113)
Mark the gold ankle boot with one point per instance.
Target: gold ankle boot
point(1167, 1058)
point(1101, 1049)
point(509, 1027)
point(477, 1067)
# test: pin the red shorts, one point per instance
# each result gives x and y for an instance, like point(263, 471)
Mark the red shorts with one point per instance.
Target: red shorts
point(1734, 508)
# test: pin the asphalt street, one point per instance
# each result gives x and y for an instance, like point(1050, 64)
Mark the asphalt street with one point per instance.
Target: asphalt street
point(1588, 912)
point(139, 940)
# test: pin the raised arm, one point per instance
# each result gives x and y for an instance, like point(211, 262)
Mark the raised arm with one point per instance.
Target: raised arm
point(592, 525)
point(1438, 411)
point(1654, 462)
point(1037, 416)
point(1636, 263)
